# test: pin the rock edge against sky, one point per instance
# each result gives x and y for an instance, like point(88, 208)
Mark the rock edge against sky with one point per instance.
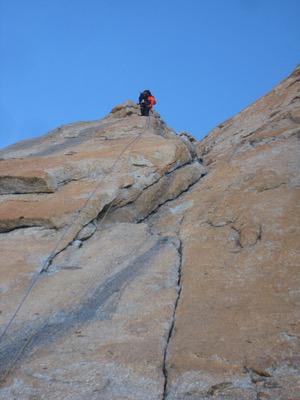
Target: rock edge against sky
point(187, 289)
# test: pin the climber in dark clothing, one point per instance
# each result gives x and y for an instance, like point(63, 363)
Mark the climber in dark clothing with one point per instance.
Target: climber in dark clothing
point(146, 102)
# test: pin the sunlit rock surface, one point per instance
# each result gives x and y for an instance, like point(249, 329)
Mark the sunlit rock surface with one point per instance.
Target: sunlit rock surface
point(170, 266)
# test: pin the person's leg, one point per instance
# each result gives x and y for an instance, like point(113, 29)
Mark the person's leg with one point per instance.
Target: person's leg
point(144, 111)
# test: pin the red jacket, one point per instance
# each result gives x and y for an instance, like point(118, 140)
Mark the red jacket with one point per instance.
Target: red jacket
point(152, 101)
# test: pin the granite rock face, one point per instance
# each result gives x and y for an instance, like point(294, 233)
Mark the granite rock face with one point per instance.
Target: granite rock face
point(164, 268)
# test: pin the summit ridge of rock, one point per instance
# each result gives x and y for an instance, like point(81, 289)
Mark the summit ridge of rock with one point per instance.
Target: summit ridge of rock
point(174, 264)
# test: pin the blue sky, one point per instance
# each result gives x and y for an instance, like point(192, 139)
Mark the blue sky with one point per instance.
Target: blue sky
point(72, 60)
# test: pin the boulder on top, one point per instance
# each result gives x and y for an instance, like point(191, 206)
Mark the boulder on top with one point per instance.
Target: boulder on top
point(126, 109)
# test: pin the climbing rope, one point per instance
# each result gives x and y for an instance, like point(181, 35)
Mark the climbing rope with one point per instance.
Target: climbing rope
point(53, 253)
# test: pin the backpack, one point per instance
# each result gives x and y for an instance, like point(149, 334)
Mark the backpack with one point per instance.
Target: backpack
point(144, 100)
point(152, 100)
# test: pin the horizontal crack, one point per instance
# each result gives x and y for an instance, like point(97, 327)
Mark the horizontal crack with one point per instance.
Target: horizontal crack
point(25, 225)
point(275, 186)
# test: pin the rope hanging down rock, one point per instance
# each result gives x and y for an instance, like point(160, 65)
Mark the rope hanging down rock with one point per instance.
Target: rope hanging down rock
point(53, 253)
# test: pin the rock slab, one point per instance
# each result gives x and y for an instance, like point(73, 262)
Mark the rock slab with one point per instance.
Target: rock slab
point(170, 266)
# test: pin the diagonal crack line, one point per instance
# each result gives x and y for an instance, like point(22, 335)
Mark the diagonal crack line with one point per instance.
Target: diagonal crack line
point(156, 209)
point(168, 173)
point(172, 326)
point(20, 345)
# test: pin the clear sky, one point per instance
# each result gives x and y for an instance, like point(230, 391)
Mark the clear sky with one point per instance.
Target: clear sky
point(71, 60)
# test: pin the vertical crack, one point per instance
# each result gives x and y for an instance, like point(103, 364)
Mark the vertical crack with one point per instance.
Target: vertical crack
point(172, 326)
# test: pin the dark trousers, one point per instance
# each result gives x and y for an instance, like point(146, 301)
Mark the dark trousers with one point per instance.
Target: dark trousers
point(145, 110)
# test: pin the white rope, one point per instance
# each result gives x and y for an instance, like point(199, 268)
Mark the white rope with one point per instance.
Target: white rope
point(47, 262)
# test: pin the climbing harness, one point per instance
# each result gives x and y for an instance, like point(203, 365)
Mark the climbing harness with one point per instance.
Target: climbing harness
point(49, 259)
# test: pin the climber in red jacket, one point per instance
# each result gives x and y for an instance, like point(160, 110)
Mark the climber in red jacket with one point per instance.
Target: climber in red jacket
point(146, 102)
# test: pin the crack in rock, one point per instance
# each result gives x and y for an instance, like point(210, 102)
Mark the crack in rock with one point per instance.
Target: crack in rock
point(99, 305)
point(172, 326)
point(103, 214)
point(155, 210)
